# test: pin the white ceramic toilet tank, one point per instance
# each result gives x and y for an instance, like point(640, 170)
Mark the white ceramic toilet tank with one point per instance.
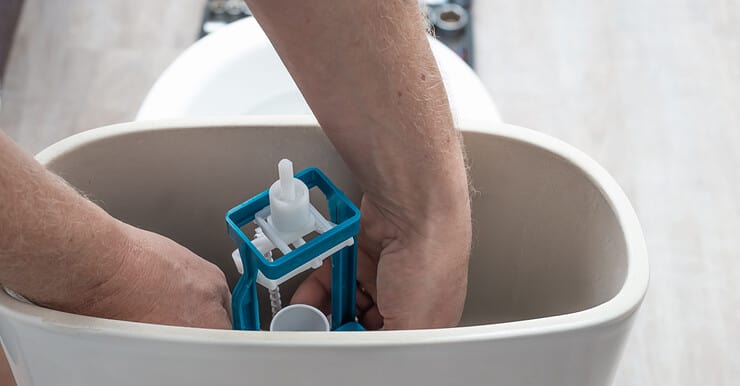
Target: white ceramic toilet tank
point(557, 272)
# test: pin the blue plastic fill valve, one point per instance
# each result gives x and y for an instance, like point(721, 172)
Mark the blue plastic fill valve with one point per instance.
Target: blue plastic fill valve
point(284, 216)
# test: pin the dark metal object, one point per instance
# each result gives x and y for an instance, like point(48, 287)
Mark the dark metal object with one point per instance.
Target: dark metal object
point(222, 12)
point(450, 19)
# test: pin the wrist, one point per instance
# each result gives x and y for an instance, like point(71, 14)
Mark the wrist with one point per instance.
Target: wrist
point(91, 262)
point(426, 206)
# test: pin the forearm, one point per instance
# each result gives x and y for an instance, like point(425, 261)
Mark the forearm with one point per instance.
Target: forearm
point(53, 240)
point(367, 71)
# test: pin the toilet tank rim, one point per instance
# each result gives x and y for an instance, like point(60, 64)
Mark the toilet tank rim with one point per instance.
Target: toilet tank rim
point(621, 306)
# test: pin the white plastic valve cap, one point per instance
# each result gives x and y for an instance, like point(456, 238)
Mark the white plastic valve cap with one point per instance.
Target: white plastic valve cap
point(300, 317)
point(290, 209)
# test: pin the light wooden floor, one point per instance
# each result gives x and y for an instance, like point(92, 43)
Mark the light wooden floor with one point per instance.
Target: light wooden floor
point(80, 64)
point(650, 89)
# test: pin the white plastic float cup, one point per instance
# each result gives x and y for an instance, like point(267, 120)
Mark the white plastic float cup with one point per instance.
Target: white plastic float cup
point(299, 317)
point(557, 271)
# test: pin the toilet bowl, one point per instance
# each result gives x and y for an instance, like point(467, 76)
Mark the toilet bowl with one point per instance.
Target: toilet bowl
point(235, 71)
point(557, 272)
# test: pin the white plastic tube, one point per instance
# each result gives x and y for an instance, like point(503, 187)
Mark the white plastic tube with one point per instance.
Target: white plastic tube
point(289, 202)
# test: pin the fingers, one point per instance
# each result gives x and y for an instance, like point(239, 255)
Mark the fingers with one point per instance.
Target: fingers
point(367, 311)
point(371, 230)
point(367, 270)
point(371, 319)
point(213, 307)
point(316, 290)
point(226, 303)
point(221, 319)
point(398, 324)
point(364, 301)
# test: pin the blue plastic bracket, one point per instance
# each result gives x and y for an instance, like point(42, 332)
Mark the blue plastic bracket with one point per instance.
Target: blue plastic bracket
point(343, 213)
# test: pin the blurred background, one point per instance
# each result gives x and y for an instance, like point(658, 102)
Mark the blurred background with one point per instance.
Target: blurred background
point(649, 88)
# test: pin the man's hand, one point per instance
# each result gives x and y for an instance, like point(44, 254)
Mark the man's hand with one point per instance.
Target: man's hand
point(60, 250)
point(158, 281)
point(409, 275)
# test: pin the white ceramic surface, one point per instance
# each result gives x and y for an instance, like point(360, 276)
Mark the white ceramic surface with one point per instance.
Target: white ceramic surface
point(558, 270)
point(235, 71)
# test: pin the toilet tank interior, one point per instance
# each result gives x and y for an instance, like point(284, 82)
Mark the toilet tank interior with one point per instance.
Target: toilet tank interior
point(546, 240)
